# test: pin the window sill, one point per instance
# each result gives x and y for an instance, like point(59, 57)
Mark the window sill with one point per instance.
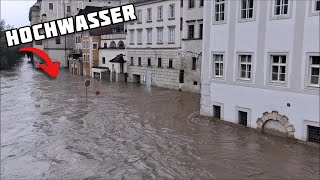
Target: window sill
point(190, 39)
point(171, 43)
point(219, 22)
point(139, 22)
point(160, 43)
point(170, 68)
point(245, 20)
point(139, 66)
point(313, 86)
point(131, 44)
point(280, 17)
point(172, 18)
point(149, 43)
point(159, 20)
point(139, 43)
point(277, 84)
point(149, 21)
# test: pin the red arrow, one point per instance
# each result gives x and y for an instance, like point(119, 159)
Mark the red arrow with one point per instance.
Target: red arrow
point(52, 68)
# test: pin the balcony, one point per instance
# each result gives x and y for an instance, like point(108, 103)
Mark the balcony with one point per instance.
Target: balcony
point(113, 36)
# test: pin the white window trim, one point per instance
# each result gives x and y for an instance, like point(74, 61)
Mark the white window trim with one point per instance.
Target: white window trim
point(225, 13)
point(139, 36)
point(307, 83)
point(243, 20)
point(247, 110)
point(131, 33)
point(213, 65)
point(149, 37)
point(269, 73)
point(312, 8)
point(158, 13)
point(139, 16)
point(158, 30)
point(282, 16)
point(174, 11)
point(149, 16)
point(169, 35)
point(52, 6)
point(238, 77)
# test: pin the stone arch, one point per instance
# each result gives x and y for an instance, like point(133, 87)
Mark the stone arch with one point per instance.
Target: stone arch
point(112, 44)
point(276, 117)
point(121, 45)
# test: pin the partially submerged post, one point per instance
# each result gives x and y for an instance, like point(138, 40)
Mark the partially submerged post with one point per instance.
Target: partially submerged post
point(87, 84)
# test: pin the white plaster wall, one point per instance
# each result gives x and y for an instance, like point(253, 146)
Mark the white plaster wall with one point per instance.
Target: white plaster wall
point(303, 106)
point(110, 54)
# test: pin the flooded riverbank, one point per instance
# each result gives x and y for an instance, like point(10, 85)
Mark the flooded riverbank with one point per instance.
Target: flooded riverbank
point(49, 130)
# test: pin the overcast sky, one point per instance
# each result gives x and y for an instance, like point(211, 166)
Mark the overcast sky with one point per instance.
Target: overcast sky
point(16, 12)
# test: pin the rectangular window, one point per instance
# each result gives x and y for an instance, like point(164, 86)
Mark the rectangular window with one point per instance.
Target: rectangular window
point(314, 134)
point(139, 16)
point(131, 36)
point(149, 15)
point(95, 46)
point(181, 24)
point(216, 112)
point(172, 11)
point(191, 3)
point(58, 40)
point(84, 58)
point(246, 9)
point(314, 71)
point(278, 68)
point(160, 36)
point(317, 5)
point(171, 35)
point(149, 36)
point(103, 60)
point(218, 65)
point(281, 7)
point(149, 62)
point(170, 63)
point(200, 31)
point(201, 3)
point(131, 61)
point(159, 62)
point(88, 58)
point(181, 76)
point(243, 118)
point(139, 34)
point(219, 10)
point(160, 13)
point(139, 61)
point(78, 39)
point(194, 63)
point(50, 6)
point(181, 3)
point(191, 31)
point(68, 8)
point(245, 67)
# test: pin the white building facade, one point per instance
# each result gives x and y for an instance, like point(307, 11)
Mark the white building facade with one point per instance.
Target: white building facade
point(260, 65)
point(153, 43)
point(60, 47)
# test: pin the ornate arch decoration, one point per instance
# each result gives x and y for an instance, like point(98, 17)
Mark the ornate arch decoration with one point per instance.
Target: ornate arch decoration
point(274, 115)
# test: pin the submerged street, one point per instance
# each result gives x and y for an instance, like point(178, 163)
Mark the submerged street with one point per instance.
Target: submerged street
point(48, 130)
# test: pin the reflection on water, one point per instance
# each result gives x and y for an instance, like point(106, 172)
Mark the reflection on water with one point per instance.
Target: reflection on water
point(48, 130)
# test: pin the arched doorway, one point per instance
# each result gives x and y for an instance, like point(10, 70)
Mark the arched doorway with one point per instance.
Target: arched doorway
point(275, 123)
point(113, 45)
point(121, 45)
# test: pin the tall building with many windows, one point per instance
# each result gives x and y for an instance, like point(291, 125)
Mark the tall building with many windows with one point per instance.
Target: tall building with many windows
point(261, 65)
point(153, 43)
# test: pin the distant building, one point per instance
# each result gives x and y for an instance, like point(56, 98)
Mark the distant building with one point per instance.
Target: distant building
point(261, 64)
point(153, 43)
point(46, 10)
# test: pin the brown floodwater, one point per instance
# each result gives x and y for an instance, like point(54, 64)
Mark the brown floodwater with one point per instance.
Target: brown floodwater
point(48, 130)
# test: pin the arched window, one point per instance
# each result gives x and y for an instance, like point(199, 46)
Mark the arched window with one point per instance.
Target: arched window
point(121, 45)
point(113, 44)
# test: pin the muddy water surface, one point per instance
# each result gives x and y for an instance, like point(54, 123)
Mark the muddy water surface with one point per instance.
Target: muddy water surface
point(48, 130)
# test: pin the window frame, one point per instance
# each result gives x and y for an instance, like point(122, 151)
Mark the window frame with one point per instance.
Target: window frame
point(149, 62)
point(159, 29)
point(273, 16)
point(139, 36)
point(249, 115)
point(170, 63)
point(139, 16)
point(191, 4)
point(159, 62)
point(139, 61)
point(103, 60)
point(149, 36)
point(191, 25)
point(68, 9)
point(52, 6)
point(213, 75)
point(312, 8)
point(131, 40)
point(160, 13)
point(58, 41)
point(269, 75)
point(239, 63)
point(217, 22)
point(254, 10)
point(194, 63)
point(173, 36)
point(172, 11)
point(308, 72)
point(97, 45)
point(131, 61)
point(149, 15)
